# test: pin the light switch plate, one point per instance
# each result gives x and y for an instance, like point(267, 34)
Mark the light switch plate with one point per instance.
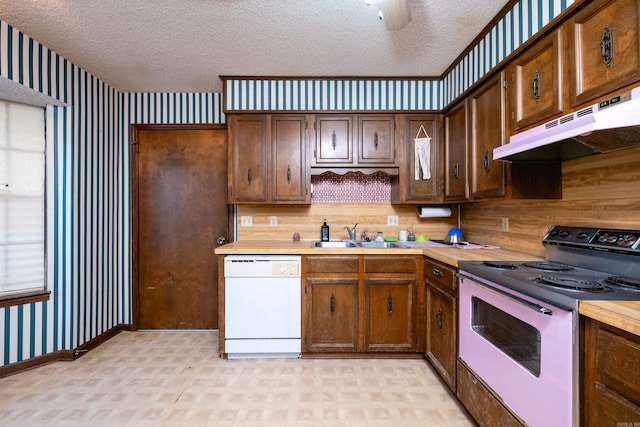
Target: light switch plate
point(273, 221)
point(246, 221)
point(392, 220)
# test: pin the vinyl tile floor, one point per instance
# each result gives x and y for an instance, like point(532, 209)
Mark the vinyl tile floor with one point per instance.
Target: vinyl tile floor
point(175, 378)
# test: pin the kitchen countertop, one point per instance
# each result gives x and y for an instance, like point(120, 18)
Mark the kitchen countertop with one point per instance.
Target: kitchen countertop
point(444, 253)
point(623, 315)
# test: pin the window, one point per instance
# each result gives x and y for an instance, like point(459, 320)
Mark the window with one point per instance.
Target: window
point(22, 199)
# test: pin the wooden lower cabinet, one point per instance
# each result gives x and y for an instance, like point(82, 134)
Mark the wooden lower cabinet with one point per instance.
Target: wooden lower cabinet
point(481, 403)
point(611, 376)
point(361, 304)
point(441, 319)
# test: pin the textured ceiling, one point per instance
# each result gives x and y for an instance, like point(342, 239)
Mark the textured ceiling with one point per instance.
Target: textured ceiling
point(185, 45)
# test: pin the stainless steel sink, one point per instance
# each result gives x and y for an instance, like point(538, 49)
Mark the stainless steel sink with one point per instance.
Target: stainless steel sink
point(341, 244)
point(334, 244)
point(375, 244)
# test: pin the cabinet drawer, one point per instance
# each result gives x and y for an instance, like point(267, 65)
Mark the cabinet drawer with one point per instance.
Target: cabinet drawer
point(390, 264)
point(332, 264)
point(440, 275)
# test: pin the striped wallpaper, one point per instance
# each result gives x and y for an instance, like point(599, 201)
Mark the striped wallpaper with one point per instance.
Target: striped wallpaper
point(88, 182)
point(525, 19)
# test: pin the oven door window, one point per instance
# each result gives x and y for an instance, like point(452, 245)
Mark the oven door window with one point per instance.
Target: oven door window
point(515, 338)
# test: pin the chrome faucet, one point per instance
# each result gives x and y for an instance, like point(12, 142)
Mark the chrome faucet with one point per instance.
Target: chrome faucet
point(363, 235)
point(352, 232)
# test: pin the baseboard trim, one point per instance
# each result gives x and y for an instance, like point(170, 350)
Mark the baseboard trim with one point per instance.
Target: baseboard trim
point(62, 355)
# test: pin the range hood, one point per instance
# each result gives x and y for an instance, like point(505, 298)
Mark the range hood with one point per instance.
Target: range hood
point(610, 125)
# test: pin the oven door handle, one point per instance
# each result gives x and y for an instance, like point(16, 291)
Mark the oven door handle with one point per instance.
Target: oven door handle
point(533, 306)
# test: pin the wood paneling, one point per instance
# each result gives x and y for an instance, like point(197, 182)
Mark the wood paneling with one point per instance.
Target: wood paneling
point(307, 220)
point(601, 190)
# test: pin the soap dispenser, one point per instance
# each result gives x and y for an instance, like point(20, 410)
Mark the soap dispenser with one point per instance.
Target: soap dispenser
point(324, 232)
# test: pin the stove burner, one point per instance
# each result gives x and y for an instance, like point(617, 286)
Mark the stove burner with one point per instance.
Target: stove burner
point(627, 282)
point(546, 265)
point(500, 264)
point(572, 283)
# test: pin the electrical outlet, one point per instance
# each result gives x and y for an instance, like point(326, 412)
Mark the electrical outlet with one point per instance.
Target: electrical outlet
point(273, 221)
point(246, 221)
point(505, 224)
point(392, 220)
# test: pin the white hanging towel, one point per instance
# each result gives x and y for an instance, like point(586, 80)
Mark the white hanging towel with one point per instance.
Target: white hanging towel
point(422, 147)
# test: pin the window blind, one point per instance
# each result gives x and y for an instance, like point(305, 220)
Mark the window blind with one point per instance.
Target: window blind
point(22, 198)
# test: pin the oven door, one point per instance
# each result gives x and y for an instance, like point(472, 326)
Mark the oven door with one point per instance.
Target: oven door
point(522, 348)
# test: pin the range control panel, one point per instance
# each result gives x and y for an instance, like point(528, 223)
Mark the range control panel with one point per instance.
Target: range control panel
point(627, 241)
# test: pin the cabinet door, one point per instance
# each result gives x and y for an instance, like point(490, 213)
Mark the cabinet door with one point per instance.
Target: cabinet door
point(456, 143)
point(248, 155)
point(537, 78)
point(334, 140)
point(487, 132)
point(288, 165)
point(376, 140)
point(389, 314)
point(605, 49)
point(441, 319)
point(611, 376)
point(332, 324)
point(420, 181)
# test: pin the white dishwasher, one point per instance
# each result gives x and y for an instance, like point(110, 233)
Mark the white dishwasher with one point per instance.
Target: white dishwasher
point(262, 304)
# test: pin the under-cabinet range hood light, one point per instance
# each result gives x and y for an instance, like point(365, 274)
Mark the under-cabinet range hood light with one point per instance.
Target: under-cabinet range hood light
point(610, 125)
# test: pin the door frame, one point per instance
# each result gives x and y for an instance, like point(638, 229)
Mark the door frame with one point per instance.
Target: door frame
point(134, 170)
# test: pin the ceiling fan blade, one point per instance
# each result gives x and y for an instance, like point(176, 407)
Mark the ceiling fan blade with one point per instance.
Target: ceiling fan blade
point(396, 13)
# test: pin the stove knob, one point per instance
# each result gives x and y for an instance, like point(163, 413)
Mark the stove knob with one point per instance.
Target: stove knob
point(583, 235)
point(564, 233)
point(626, 240)
point(612, 238)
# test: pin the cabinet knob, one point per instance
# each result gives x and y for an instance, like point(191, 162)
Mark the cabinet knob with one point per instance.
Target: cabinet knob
point(288, 174)
point(455, 171)
point(332, 304)
point(606, 46)
point(389, 304)
point(375, 140)
point(249, 175)
point(439, 318)
point(535, 85)
point(334, 142)
point(437, 272)
point(487, 162)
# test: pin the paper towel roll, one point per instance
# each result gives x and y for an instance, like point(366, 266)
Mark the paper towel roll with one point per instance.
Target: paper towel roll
point(434, 212)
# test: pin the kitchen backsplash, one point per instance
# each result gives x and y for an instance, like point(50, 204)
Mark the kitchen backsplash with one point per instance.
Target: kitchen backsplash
point(342, 200)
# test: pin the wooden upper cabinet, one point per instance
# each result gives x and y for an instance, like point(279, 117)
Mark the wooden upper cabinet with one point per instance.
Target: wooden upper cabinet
point(267, 157)
point(605, 48)
point(456, 144)
point(334, 141)
point(487, 132)
point(537, 81)
point(335, 136)
point(248, 151)
point(288, 161)
point(376, 140)
point(419, 181)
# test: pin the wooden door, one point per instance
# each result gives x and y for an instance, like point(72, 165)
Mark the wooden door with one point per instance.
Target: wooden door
point(441, 348)
point(334, 140)
point(288, 164)
point(376, 140)
point(248, 154)
point(423, 188)
point(487, 132)
point(537, 77)
point(456, 143)
point(389, 316)
point(179, 212)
